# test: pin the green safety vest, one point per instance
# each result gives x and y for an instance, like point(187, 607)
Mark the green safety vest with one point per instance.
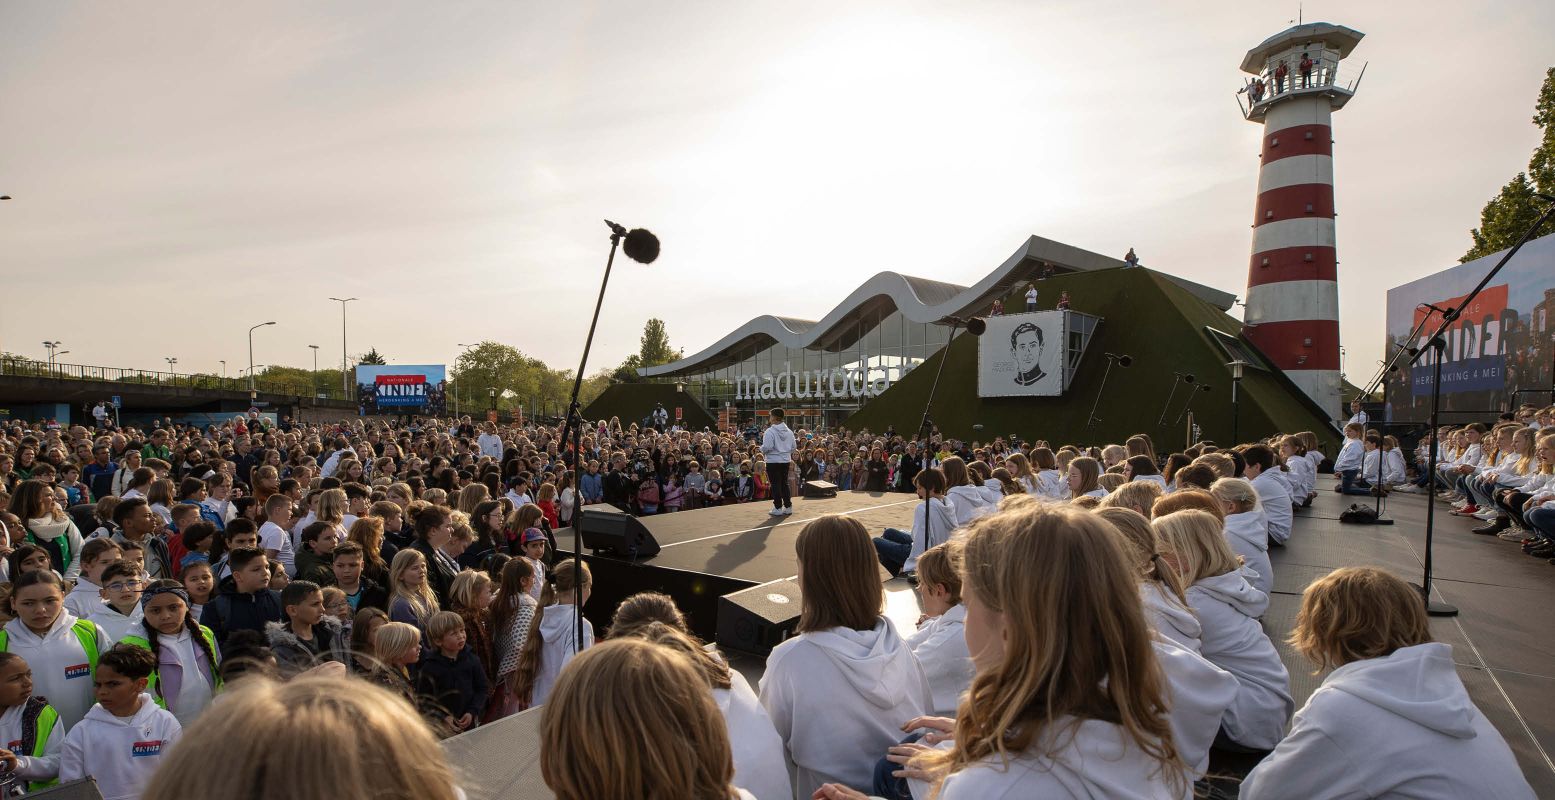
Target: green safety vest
point(43, 722)
point(151, 682)
point(86, 632)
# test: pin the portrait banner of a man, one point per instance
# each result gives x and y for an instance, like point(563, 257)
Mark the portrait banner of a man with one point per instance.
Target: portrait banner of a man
point(1021, 355)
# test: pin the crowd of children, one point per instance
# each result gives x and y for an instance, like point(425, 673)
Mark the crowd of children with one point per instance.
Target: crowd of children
point(1092, 618)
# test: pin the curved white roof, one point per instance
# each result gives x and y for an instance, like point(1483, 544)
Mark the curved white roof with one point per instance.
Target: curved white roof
point(918, 299)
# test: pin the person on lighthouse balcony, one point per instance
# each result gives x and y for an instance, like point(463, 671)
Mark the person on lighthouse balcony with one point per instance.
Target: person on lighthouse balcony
point(1026, 347)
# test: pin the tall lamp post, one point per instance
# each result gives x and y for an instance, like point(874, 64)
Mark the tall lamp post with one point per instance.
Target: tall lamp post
point(51, 347)
point(223, 369)
point(253, 395)
point(345, 382)
point(1236, 383)
point(457, 382)
point(315, 381)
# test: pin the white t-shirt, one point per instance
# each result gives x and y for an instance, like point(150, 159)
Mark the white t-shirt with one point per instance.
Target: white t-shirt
point(1031, 295)
point(273, 537)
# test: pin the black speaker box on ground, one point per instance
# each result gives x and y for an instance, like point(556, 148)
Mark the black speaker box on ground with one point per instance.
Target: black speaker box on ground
point(606, 528)
point(758, 619)
point(819, 489)
point(83, 789)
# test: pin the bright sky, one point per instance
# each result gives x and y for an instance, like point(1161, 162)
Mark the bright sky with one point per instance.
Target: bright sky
point(183, 170)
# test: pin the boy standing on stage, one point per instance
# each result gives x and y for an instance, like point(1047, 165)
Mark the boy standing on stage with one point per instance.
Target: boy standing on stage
point(777, 444)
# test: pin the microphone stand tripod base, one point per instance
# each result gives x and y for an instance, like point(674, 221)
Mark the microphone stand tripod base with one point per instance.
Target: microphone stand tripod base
point(1435, 608)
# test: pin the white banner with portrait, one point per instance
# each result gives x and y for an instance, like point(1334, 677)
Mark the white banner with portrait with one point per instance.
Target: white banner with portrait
point(1022, 355)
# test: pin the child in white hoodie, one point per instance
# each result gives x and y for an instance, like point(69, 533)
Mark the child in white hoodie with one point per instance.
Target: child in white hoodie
point(120, 613)
point(62, 650)
point(839, 690)
point(1047, 723)
point(29, 728)
point(1393, 718)
point(940, 644)
point(1246, 529)
point(965, 500)
point(96, 554)
point(559, 629)
point(1228, 608)
point(124, 738)
point(932, 522)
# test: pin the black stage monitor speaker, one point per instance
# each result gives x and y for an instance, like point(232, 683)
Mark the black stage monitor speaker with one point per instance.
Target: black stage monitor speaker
point(83, 789)
point(819, 489)
point(606, 528)
point(757, 619)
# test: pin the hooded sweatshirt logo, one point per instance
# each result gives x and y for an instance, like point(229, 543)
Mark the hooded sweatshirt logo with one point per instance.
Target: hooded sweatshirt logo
point(146, 749)
point(78, 671)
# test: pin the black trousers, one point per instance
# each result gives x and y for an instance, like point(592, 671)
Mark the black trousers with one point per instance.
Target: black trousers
point(777, 475)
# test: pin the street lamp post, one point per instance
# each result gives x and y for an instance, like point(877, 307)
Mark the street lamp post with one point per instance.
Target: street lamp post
point(315, 380)
point(223, 369)
point(1236, 383)
point(345, 382)
point(253, 396)
point(458, 382)
point(51, 347)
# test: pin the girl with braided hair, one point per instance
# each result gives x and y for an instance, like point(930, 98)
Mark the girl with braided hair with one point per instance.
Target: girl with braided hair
point(186, 676)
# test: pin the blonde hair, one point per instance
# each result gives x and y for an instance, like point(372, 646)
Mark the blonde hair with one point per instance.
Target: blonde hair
point(1111, 481)
point(393, 638)
point(839, 576)
point(1137, 495)
point(1019, 467)
point(472, 496)
point(1186, 499)
point(368, 532)
point(441, 624)
point(711, 667)
point(1237, 491)
point(467, 586)
point(940, 565)
point(632, 719)
point(1223, 465)
point(1114, 453)
point(1197, 543)
point(1356, 613)
point(1076, 645)
point(1142, 547)
point(423, 603)
point(1090, 471)
point(331, 506)
point(1140, 445)
point(339, 738)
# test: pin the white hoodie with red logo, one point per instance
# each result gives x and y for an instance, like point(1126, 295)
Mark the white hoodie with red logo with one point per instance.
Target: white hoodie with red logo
point(121, 753)
point(60, 669)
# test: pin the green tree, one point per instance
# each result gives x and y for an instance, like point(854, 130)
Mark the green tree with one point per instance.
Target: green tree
point(1510, 213)
point(654, 346)
point(372, 358)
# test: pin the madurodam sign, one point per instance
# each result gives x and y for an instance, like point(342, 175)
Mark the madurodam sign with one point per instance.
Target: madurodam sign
point(838, 382)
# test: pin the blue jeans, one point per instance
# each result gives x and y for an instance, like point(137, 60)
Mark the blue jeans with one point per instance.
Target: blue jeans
point(1351, 482)
point(893, 547)
point(887, 785)
point(1541, 521)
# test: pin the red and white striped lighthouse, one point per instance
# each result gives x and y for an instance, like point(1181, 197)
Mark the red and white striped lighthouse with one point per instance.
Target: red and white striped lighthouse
point(1292, 290)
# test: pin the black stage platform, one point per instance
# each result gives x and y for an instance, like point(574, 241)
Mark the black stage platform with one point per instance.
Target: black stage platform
point(711, 552)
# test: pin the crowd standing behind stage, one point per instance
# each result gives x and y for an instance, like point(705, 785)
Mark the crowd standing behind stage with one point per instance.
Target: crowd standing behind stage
point(364, 588)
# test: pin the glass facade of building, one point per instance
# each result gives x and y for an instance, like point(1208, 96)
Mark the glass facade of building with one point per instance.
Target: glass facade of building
point(825, 383)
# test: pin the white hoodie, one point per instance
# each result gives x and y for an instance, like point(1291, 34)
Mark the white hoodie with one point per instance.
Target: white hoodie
point(60, 670)
point(968, 503)
point(1248, 535)
point(117, 625)
point(1098, 759)
point(777, 444)
point(1169, 617)
point(758, 752)
point(85, 599)
point(121, 753)
point(1200, 694)
point(1228, 607)
point(1051, 485)
point(32, 768)
point(50, 529)
point(1277, 510)
point(940, 647)
point(993, 491)
point(940, 518)
point(1303, 476)
point(1397, 726)
point(559, 632)
point(838, 698)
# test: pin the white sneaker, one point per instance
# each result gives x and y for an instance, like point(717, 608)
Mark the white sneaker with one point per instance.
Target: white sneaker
point(1513, 534)
point(776, 512)
point(787, 510)
point(1488, 514)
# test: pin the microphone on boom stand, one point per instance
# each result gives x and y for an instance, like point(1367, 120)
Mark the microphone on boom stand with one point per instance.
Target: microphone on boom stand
point(1181, 378)
point(975, 326)
point(1122, 361)
point(642, 246)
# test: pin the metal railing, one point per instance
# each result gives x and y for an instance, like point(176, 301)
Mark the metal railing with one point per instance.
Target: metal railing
point(1324, 78)
point(26, 367)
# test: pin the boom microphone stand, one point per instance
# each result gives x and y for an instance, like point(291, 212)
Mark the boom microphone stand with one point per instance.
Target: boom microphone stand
point(1203, 387)
point(1438, 345)
point(1122, 361)
point(643, 247)
point(1187, 378)
point(975, 326)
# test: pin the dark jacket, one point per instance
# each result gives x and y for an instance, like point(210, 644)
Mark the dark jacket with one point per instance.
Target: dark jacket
point(440, 576)
point(372, 594)
point(455, 686)
point(313, 567)
point(235, 611)
point(294, 657)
